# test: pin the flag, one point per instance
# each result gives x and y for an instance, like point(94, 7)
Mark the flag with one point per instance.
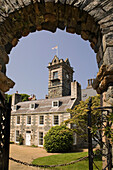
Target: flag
point(55, 47)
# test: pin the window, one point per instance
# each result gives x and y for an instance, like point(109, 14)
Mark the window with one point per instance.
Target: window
point(55, 75)
point(40, 139)
point(55, 103)
point(41, 120)
point(29, 120)
point(55, 120)
point(17, 136)
point(18, 120)
point(32, 106)
point(15, 107)
point(55, 61)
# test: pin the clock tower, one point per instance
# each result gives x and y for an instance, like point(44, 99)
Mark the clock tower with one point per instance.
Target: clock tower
point(60, 78)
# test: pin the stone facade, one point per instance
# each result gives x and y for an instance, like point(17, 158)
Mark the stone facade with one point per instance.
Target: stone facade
point(29, 122)
point(33, 119)
point(60, 78)
point(44, 108)
point(90, 19)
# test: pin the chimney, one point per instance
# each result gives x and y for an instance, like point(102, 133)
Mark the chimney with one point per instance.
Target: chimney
point(75, 90)
point(16, 98)
point(33, 97)
point(90, 83)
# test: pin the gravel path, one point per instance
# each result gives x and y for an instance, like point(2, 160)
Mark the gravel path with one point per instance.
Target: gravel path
point(25, 154)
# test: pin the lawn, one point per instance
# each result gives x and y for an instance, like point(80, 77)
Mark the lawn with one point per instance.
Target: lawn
point(66, 158)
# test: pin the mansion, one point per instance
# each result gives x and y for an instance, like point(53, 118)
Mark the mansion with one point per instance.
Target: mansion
point(32, 119)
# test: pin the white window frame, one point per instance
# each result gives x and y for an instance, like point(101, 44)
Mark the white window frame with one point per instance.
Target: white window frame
point(16, 136)
point(40, 138)
point(43, 120)
point(27, 120)
point(58, 120)
point(55, 101)
point(17, 120)
point(15, 107)
point(32, 104)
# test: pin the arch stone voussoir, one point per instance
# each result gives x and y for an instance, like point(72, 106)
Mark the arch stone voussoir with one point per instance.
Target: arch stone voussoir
point(90, 19)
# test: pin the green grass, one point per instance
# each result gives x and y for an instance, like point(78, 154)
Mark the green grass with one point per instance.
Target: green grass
point(34, 146)
point(66, 158)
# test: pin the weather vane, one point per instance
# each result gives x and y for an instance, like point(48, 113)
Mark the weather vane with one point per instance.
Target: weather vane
point(56, 48)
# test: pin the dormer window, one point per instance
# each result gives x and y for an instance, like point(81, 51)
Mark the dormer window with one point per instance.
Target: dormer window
point(32, 106)
point(55, 103)
point(15, 107)
point(55, 75)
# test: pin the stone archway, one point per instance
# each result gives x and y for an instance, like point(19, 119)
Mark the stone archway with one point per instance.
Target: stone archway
point(92, 19)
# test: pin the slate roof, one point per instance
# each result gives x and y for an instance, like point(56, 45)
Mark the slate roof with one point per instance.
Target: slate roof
point(45, 106)
point(88, 92)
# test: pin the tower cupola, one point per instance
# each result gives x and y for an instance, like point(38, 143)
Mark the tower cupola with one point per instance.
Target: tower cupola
point(60, 78)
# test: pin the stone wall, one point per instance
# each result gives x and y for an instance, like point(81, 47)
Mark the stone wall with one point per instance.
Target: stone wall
point(90, 19)
point(34, 128)
point(61, 85)
point(19, 18)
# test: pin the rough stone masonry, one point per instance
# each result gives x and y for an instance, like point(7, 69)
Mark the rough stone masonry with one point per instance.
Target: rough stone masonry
point(92, 19)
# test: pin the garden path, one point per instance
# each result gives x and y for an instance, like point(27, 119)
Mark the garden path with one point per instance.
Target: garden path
point(25, 154)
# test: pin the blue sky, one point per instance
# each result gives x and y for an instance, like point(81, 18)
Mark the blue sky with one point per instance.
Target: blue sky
point(29, 60)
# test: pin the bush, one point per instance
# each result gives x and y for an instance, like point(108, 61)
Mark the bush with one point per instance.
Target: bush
point(58, 139)
point(34, 146)
point(21, 139)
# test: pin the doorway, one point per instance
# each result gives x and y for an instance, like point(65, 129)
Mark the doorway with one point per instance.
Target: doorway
point(28, 138)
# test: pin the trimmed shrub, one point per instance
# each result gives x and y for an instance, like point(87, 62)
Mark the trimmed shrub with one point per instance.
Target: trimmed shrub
point(58, 139)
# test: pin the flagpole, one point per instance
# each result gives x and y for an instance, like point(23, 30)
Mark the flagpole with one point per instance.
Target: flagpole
point(57, 52)
point(56, 48)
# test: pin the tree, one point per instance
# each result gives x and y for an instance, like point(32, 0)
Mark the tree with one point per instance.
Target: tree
point(21, 139)
point(7, 97)
point(25, 97)
point(58, 139)
point(79, 119)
